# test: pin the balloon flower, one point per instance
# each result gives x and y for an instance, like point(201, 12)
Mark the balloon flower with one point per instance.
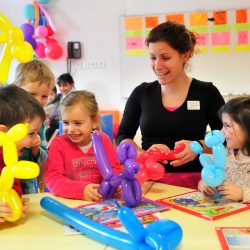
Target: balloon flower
point(14, 169)
point(15, 47)
point(213, 171)
point(126, 153)
point(162, 234)
point(150, 168)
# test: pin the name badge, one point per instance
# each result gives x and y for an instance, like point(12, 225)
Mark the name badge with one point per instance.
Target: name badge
point(193, 105)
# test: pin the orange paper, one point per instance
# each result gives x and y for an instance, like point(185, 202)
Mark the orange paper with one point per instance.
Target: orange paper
point(241, 16)
point(220, 17)
point(198, 19)
point(151, 21)
point(178, 18)
point(133, 23)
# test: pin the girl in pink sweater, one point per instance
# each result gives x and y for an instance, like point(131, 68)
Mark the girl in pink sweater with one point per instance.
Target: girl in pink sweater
point(71, 169)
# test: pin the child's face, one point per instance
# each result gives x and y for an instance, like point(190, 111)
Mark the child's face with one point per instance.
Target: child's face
point(39, 91)
point(52, 96)
point(234, 134)
point(65, 88)
point(78, 124)
point(33, 128)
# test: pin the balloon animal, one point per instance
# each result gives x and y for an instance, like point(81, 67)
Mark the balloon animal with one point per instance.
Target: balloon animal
point(130, 186)
point(15, 47)
point(14, 168)
point(213, 171)
point(150, 168)
point(162, 234)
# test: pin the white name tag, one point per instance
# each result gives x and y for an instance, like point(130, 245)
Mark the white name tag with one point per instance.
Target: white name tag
point(193, 105)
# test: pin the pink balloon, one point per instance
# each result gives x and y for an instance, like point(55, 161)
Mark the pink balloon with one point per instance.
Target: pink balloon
point(53, 51)
point(41, 31)
point(40, 53)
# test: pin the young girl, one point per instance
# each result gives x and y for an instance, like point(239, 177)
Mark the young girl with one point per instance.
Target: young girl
point(71, 168)
point(236, 120)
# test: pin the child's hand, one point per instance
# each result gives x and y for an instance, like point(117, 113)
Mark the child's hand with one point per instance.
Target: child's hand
point(25, 202)
point(5, 211)
point(118, 193)
point(35, 145)
point(91, 192)
point(230, 191)
point(205, 189)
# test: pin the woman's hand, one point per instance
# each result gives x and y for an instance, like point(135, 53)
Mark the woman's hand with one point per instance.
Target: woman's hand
point(91, 192)
point(185, 156)
point(162, 148)
point(229, 191)
point(205, 189)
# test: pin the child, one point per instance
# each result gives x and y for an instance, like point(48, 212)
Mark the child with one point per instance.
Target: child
point(52, 111)
point(37, 79)
point(65, 83)
point(236, 120)
point(71, 168)
point(17, 106)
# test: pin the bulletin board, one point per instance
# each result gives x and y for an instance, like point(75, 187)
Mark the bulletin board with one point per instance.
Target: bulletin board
point(222, 52)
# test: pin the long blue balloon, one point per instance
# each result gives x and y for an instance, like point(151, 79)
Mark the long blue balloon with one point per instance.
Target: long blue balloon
point(162, 235)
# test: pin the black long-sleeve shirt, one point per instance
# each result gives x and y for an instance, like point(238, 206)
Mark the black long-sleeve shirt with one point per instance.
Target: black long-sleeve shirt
point(158, 125)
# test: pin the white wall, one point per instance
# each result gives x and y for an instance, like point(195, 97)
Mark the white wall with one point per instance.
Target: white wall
point(95, 23)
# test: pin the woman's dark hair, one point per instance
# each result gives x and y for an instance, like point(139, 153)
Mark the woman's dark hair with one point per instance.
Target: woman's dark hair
point(65, 78)
point(239, 110)
point(175, 34)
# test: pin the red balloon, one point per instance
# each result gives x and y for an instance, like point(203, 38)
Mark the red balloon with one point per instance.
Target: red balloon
point(53, 51)
point(49, 30)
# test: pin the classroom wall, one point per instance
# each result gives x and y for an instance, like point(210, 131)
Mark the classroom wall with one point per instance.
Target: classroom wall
point(96, 25)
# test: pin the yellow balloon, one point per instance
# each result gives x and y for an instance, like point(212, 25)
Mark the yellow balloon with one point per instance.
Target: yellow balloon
point(22, 51)
point(5, 63)
point(17, 132)
point(15, 46)
point(3, 138)
point(6, 179)
point(26, 170)
point(10, 155)
point(5, 24)
point(15, 203)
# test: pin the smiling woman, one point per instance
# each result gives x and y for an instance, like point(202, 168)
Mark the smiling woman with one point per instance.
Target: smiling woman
point(175, 108)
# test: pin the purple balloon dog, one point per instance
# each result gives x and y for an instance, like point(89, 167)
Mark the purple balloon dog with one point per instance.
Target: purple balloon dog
point(126, 153)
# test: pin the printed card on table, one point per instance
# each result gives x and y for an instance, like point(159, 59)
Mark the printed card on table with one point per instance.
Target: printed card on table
point(234, 238)
point(206, 207)
point(105, 212)
point(144, 219)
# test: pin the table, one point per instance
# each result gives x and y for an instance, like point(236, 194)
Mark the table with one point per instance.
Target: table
point(40, 230)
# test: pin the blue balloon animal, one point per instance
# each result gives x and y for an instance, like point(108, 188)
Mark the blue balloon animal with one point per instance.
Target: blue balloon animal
point(161, 235)
point(213, 171)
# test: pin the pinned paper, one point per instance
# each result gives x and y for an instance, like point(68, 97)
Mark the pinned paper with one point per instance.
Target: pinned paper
point(243, 37)
point(198, 19)
point(220, 38)
point(178, 18)
point(202, 39)
point(134, 43)
point(133, 23)
point(220, 17)
point(151, 21)
point(241, 16)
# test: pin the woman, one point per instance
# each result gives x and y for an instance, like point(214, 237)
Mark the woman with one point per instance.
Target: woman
point(175, 108)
